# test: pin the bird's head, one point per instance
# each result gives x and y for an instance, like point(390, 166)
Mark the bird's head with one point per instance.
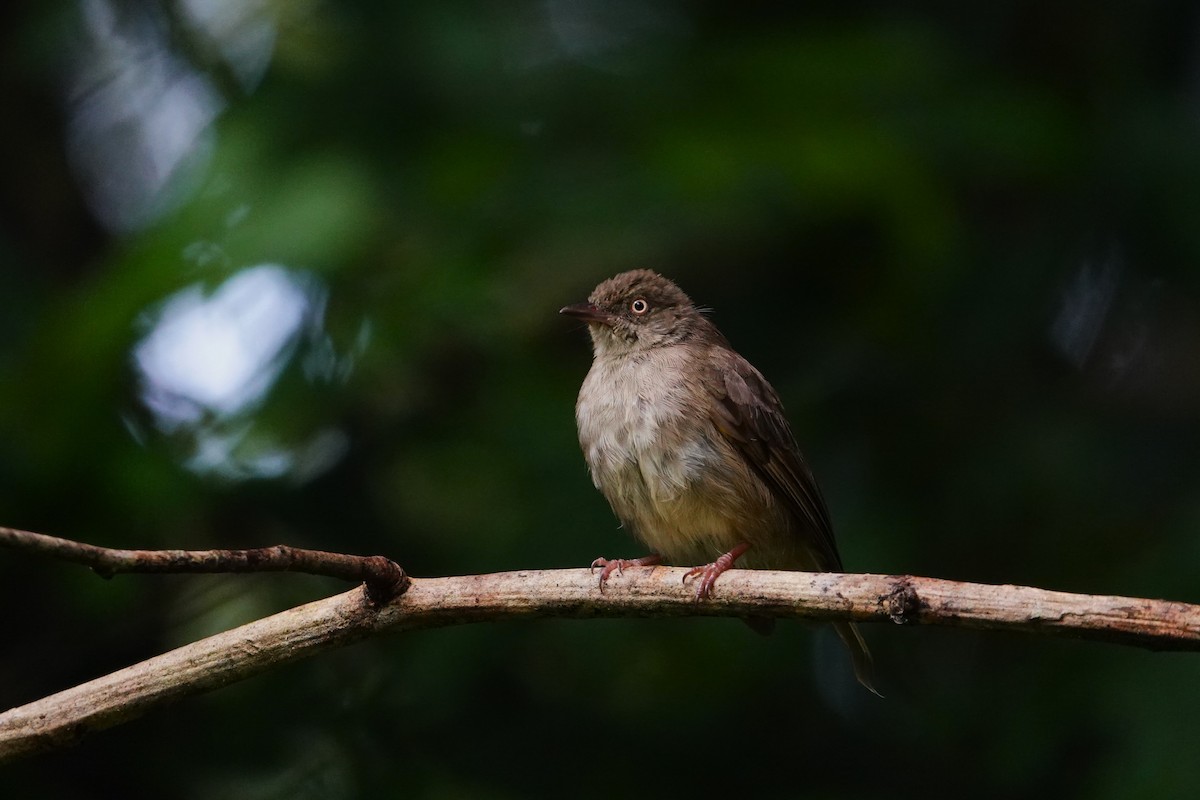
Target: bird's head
point(638, 310)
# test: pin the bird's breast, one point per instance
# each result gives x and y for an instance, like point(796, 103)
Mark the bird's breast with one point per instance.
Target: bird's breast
point(654, 453)
point(639, 433)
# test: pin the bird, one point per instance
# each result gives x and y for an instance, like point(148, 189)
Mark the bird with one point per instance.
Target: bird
point(689, 444)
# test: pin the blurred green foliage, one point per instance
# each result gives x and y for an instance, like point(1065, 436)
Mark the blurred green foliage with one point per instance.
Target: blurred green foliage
point(960, 239)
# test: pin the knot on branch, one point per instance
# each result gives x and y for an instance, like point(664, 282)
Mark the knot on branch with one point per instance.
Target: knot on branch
point(385, 580)
point(902, 602)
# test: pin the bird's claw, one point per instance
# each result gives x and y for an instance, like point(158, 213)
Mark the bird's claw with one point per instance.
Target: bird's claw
point(708, 576)
point(709, 573)
point(607, 569)
point(617, 565)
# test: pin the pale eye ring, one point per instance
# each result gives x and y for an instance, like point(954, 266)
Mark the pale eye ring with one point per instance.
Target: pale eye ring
point(639, 306)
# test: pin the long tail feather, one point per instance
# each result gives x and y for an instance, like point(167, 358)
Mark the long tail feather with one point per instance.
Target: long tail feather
point(864, 668)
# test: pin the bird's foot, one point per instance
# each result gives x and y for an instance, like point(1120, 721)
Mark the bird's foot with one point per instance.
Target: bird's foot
point(709, 573)
point(618, 565)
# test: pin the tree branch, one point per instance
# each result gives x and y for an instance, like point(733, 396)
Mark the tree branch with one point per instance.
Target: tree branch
point(237, 654)
point(384, 577)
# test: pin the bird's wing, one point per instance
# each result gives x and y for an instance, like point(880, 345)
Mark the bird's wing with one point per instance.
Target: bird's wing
point(750, 415)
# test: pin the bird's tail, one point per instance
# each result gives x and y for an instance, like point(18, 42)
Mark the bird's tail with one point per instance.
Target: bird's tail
point(864, 668)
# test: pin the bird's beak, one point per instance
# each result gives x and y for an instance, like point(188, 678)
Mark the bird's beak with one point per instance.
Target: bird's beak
point(587, 312)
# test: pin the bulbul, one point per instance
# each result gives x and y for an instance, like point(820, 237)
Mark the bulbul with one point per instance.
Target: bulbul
point(689, 444)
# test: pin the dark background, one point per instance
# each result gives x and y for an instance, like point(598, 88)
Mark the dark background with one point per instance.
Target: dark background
point(289, 273)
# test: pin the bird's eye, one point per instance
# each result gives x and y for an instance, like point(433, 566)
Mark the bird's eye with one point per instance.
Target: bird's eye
point(639, 306)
